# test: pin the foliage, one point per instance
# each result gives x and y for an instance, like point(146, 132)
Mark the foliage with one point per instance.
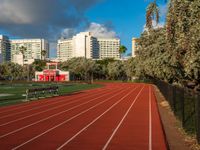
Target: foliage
point(11, 71)
point(151, 13)
point(43, 54)
point(80, 67)
point(22, 50)
point(39, 65)
point(130, 68)
point(171, 53)
point(122, 49)
point(116, 70)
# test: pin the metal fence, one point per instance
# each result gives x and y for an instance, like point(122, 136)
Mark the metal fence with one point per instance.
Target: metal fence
point(185, 104)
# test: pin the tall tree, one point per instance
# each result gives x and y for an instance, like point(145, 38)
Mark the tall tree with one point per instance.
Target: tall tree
point(122, 50)
point(152, 13)
point(43, 54)
point(22, 50)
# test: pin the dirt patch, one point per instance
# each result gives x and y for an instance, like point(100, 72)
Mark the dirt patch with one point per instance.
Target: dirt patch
point(176, 137)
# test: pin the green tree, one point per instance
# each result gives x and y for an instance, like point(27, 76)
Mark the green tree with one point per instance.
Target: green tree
point(183, 36)
point(122, 50)
point(43, 54)
point(81, 68)
point(13, 72)
point(130, 68)
point(22, 50)
point(102, 68)
point(116, 70)
point(152, 13)
point(39, 65)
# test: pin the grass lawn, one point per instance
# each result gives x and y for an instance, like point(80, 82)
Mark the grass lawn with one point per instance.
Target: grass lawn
point(15, 93)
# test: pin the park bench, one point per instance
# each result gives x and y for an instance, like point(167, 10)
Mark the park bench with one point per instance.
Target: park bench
point(41, 92)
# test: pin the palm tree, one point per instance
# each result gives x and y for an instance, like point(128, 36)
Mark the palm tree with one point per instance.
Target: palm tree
point(152, 12)
point(43, 53)
point(122, 50)
point(23, 49)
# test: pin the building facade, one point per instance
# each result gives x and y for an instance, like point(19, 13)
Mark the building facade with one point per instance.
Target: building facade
point(4, 49)
point(134, 46)
point(109, 48)
point(34, 48)
point(52, 73)
point(88, 46)
point(64, 49)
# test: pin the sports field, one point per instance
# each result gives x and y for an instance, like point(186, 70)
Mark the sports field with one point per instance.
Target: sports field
point(16, 93)
point(121, 116)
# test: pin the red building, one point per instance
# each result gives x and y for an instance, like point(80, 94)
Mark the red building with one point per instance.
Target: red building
point(52, 73)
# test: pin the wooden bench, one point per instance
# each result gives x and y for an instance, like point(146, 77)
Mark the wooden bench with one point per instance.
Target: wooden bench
point(41, 92)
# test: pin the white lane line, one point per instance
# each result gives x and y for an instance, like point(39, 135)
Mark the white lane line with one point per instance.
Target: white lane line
point(83, 129)
point(24, 105)
point(150, 120)
point(122, 120)
point(61, 98)
point(53, 103)
point(43, 133)
point(59, 106)
point(44, 119)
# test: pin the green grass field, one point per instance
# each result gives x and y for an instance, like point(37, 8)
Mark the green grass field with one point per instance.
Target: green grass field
point(15, 93)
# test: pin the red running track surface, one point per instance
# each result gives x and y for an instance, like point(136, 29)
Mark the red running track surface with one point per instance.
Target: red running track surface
point(118, 116)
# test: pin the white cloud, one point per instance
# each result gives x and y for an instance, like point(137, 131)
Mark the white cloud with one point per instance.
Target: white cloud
point(101, 31)
point(68, 33)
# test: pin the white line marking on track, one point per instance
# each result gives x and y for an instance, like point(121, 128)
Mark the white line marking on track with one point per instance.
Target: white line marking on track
point(83, 129)
point(65, 121)
point(34, 114)
point(53, 103)
point(24, 105)
point(17, 130)
point(150, 120)
point(120, 123)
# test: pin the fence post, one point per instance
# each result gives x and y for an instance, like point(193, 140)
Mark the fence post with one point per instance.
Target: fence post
point(174, 98)
point(183, 107)
point(197, 97)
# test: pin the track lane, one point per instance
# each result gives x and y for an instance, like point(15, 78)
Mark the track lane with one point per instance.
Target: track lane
point(133, 133)
point(45, 109)
point(35, 131)
point(105, 122)
point(70, 126)
point(98, 134)
point(158, 138)
point(49, 115)
point(143, 125)
point(10, 109)
point(33, 105)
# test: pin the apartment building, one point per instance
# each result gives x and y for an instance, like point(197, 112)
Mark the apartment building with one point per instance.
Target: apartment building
point(134, 46)
point(34, 48)
point(88, 46)
point(4, 49)
point(109, 48)
point(64, 49)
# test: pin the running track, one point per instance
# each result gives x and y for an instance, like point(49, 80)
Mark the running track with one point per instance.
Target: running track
point(118, 116)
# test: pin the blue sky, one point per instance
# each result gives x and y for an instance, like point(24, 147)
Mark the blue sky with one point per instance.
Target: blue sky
point(126, 16)
point(64, 18)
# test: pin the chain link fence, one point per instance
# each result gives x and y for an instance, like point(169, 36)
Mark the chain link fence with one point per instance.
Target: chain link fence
point(185, 104)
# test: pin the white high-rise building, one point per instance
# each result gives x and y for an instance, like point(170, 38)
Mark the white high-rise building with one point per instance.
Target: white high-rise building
point(85, 45)
point(109, 48)
point(64, 49)
point(4, 49)
point(134, 46)
point(82, 45)
point(34, 48)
